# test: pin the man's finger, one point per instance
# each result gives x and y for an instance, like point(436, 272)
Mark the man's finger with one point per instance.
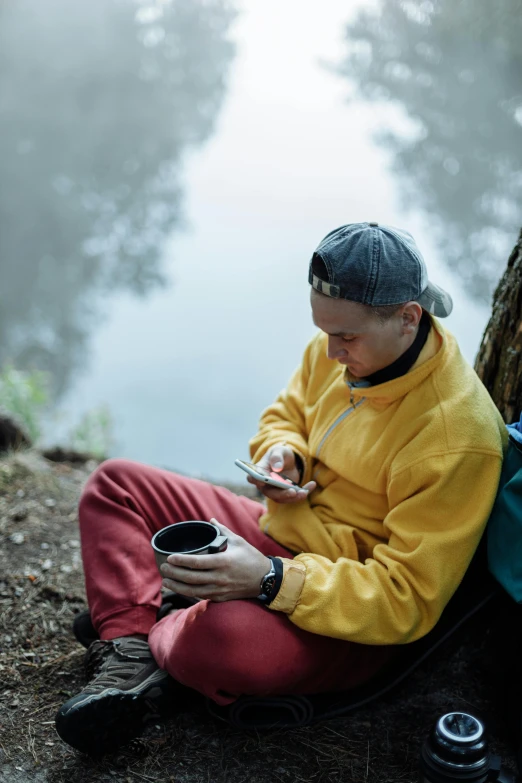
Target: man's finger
point(274, 493)
point(222, 528)
point(309, 486)
point(191, 591)
point(225, 531)
point(285, 495)
point(258, 484)
point(189, 577)
point(198, 562)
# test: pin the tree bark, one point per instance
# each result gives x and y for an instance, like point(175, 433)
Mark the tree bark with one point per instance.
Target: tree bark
point(499, 360)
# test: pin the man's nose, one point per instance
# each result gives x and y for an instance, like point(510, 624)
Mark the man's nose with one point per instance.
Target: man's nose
point(335, 347)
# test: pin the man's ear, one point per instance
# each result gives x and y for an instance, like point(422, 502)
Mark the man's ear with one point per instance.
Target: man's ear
point(411, 315)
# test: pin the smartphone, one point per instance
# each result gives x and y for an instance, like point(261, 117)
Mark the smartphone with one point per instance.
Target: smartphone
point(278, 480)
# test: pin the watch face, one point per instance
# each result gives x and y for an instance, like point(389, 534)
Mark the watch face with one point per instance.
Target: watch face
point(268, 585)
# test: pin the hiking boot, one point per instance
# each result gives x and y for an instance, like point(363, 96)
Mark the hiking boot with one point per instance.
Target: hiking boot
point(126, 689)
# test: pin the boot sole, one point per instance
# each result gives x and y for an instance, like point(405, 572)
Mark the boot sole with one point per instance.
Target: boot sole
point(102, 722)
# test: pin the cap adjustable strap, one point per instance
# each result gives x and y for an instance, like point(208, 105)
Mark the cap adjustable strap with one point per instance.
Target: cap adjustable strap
point(326, 288)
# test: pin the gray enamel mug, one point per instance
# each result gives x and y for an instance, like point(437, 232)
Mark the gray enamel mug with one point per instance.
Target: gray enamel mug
point(187, 538)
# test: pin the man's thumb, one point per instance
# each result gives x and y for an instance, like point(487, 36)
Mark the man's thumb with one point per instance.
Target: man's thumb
point(222, 528)
point(276, 460)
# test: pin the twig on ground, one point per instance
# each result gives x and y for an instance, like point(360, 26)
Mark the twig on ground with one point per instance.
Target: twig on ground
point(72, 654)
point(48, 706)
point(132, 772)
point(7, 755)
point(31, 741)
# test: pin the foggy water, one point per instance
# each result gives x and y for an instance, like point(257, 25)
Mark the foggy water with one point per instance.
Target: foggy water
point(168, 168)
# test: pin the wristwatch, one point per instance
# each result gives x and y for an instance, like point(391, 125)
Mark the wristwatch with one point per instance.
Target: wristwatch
point(268, 583)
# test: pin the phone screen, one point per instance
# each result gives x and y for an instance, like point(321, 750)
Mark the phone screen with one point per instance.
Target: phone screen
point(271, 474)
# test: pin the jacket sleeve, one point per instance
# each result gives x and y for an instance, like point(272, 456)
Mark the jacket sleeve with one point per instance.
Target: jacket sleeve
point(438, 509)
point(284, 420)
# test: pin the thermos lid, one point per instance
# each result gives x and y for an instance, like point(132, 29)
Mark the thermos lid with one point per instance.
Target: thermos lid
point(460, 728)
point(456, 749)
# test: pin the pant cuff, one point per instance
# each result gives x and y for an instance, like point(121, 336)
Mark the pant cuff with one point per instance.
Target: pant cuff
point(125, 622)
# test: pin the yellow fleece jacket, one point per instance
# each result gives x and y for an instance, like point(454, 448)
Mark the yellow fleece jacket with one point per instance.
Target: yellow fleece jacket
point(406, 475)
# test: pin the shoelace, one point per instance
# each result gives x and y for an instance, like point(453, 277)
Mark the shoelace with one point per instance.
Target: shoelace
point(107, 663)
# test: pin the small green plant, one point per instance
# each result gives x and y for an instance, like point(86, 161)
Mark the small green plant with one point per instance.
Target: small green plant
point(94, 433)
point(24, 395)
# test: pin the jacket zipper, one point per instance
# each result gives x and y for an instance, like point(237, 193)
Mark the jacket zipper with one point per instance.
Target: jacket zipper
point(339, 419)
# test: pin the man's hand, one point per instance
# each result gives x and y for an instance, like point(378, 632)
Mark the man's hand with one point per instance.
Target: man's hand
point(281, 459)
point(226, 576)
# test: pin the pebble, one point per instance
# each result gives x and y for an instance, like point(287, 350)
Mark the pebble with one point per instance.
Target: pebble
point(74, 543)
point(18, 513)
point(47, 564)
point(44, 545)
point(65, 569)
point(20, 493)
point(50, 502)
point(17, 538)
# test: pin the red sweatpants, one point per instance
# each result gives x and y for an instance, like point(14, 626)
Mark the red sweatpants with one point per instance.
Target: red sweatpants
point(222, 650)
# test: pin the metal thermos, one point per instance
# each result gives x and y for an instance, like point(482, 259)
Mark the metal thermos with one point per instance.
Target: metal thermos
point(456, 749)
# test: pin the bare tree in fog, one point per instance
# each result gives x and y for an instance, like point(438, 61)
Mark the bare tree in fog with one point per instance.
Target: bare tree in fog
point(455, 67)
point(99, 101)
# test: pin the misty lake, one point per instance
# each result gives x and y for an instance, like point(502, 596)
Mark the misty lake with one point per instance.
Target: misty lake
point(167, 169)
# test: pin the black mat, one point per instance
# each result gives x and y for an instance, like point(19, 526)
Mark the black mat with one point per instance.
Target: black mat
point(477, 593)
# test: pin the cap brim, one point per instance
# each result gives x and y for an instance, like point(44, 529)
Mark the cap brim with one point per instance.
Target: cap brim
point(436, 301)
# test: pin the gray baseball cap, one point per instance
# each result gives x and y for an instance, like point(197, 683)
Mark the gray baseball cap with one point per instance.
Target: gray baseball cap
point(375, 265)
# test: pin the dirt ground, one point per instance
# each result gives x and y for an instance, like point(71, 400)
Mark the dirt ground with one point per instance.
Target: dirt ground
point(41, 589)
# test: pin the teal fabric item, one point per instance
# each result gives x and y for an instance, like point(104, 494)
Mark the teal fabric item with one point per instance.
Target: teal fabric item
point(504, 528)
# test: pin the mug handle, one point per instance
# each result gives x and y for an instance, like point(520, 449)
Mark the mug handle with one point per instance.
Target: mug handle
point(218, 545)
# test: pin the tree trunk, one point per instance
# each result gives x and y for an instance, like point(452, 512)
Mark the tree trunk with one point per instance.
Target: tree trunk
point(499, 360)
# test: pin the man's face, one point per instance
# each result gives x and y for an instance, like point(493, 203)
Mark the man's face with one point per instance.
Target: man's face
point(357, 338)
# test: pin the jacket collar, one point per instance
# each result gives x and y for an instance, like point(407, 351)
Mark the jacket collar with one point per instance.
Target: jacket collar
point(432, 355)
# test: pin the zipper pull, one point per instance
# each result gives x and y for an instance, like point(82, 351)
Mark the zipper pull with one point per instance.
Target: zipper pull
point(352, 398)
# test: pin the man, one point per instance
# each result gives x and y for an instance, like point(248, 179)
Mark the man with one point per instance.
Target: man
point(397, 447)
